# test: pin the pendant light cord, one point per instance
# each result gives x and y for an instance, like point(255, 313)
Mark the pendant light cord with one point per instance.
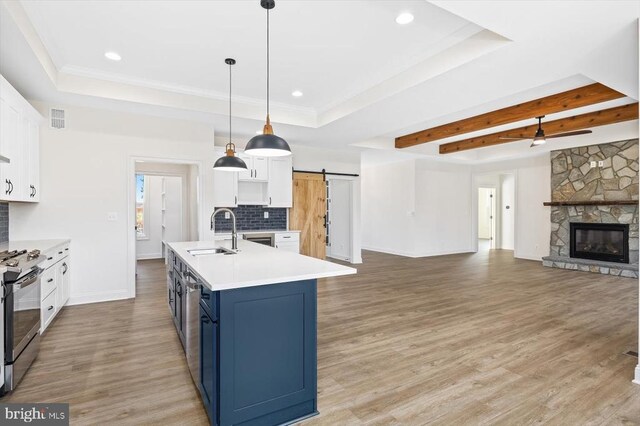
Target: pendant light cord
point(230, 65)
point(267, 62)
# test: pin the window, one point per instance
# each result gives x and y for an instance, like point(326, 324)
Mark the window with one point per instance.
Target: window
point(141, 213)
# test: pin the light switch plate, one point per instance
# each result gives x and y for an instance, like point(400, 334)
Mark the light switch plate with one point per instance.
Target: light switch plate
point(227, 215)
point(266, 215)
point(112, 216)
point(593, 164)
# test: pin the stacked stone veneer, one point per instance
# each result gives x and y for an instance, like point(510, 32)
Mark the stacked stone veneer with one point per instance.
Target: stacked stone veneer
point(573, 179)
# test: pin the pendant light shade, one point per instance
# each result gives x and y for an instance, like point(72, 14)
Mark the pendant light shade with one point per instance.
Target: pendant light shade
point(230, 163)
point(267, 144)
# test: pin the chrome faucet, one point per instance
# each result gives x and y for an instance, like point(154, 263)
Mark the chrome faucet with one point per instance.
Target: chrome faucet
point(234, 233)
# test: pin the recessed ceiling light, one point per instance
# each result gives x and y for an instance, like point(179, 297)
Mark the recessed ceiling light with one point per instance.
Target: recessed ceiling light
point(404, 18)
point(296, 93)
point(113, 56)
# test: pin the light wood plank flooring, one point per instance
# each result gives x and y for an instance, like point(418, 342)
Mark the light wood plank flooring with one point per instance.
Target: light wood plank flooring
point(462, 339)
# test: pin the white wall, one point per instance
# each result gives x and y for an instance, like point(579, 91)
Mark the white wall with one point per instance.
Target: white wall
point(425, 208)
point(87, 172)
point(150, 247)
point(443, 208)
point(507, 209)
point(388, 208)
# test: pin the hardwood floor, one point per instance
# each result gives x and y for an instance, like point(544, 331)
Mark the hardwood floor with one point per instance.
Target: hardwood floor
point(462, 339)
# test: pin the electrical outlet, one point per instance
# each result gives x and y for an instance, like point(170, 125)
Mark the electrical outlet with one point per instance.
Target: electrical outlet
point(600, 163)
point(112, 216)
point(266, 215)
point(593, 164)
point(227, 215)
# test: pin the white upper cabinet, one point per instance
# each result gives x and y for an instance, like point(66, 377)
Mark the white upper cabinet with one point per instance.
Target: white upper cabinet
point(19, 141)
point(32, 184)
point(225, 186)
point(266, 182)
point(280, 182)
point(257, 168)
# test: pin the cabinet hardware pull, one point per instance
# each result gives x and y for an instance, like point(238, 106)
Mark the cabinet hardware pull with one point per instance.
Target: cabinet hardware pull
point(269, 200)
point(236, 198)
point(50, 308)
point(67, 249)
point(49, 258)
point(286, 236)
point(6, 191)
point(10, 184)
point(60, 252)
point(49, 280)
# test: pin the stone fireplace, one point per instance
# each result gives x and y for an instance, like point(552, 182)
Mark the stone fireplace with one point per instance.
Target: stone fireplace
point(594, 209)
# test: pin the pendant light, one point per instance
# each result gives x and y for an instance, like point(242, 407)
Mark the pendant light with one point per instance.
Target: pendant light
point(267, 144)
point(230, 163)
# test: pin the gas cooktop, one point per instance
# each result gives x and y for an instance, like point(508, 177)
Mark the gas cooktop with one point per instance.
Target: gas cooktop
point(19, 263)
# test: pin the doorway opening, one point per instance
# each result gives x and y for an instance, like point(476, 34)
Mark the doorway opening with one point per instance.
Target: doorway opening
point(495, 214)
point(339, 219)
point(164, 208)
point(486, 219)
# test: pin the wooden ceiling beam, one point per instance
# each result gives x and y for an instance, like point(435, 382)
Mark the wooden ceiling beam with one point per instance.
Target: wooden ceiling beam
point(576, 98)
point(577, 122)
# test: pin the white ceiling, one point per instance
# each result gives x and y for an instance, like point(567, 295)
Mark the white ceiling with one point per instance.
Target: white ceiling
point(330, 50)
point(365, 79)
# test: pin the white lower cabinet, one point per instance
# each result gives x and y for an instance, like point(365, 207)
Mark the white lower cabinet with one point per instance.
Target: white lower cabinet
point(289, 241)
point(54, 285)
point(48, 309)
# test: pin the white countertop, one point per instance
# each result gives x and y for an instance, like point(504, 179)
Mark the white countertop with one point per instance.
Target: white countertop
point(253, 265)
point(42, 245)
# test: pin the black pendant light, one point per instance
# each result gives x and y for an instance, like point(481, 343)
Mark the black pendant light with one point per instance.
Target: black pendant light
point(230, 163)
point(267, 144)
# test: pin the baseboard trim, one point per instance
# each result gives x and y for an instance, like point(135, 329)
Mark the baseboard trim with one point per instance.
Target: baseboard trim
point(416, 255)
point(637, 379)
point(386, 251)
point(528, 256)
point(149, 256)
point(98, 297)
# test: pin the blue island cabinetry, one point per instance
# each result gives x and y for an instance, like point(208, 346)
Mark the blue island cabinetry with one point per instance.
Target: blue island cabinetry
point(258, 357)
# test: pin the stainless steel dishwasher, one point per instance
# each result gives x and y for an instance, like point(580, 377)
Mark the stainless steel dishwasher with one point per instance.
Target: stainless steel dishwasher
point(192, 322)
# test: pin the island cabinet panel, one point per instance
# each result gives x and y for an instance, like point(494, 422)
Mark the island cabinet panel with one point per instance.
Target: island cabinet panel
point(267, 354)
point(209, 300)
point(209, 364)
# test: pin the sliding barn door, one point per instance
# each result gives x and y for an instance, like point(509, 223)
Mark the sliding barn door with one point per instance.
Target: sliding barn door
point(308, 213)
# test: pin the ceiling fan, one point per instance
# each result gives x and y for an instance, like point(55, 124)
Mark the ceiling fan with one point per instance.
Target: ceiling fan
point(540, 138)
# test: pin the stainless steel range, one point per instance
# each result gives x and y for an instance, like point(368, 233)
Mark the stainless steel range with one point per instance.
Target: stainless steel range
point(21, 293)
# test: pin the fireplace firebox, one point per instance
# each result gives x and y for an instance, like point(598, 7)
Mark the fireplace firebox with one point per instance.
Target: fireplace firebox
point(600, 241)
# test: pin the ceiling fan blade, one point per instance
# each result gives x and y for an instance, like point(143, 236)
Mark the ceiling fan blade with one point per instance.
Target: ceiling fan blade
point(576, 133)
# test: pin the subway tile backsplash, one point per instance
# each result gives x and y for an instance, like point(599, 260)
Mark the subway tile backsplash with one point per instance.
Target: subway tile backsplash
point(4, 222)
point(252, 218)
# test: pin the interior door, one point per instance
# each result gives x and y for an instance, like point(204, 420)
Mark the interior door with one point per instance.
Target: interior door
point(308, 213)
point(339, 246)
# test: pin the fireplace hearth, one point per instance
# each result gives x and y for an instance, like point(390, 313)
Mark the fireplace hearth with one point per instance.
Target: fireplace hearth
point(608, 242)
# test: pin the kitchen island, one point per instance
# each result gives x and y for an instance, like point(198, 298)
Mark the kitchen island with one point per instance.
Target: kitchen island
point(248, 324)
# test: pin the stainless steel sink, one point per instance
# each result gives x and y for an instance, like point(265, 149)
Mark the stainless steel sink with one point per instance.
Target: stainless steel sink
point(210, 251)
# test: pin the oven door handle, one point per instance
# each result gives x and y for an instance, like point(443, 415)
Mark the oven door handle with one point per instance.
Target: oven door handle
point(28, 280)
